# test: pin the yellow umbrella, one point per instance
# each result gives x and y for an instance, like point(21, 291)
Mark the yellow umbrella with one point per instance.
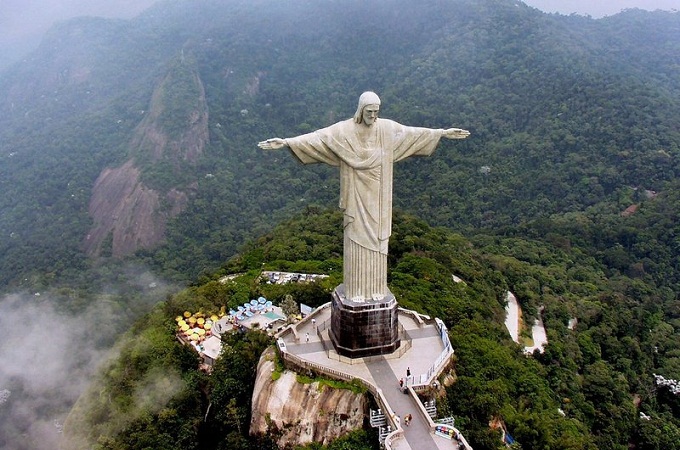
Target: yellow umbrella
point(185, 327)
point(200, 321)
point(192, 320)
point(194, 337)
point(214, 318)
point(208, 326)
point(187, 314)
point(178, 318)
point(201, 332)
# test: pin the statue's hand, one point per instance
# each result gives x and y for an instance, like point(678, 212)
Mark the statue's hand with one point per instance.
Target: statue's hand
point(272, 144)
point(456, 133)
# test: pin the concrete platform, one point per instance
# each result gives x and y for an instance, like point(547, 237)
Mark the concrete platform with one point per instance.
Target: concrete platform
point(423, 354)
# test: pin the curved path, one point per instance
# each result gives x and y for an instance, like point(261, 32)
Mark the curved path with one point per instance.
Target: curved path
point(383, 372)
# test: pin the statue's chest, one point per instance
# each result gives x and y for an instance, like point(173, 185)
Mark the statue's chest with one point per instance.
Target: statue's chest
point(369, 146)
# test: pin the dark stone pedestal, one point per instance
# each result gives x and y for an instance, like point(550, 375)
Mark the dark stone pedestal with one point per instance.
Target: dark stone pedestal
point(360, 329)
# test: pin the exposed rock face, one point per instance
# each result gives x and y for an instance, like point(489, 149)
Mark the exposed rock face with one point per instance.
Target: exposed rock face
point(129, 215)
point(152, 136)
point(302, 413)
point(127, 212)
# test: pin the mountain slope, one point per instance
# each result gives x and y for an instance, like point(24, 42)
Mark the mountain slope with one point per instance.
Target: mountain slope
point(567, 114)
point(170, 137)
point(586, 391)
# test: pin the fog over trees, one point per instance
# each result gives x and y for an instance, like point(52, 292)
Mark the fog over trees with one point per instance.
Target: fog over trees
point(23, 24)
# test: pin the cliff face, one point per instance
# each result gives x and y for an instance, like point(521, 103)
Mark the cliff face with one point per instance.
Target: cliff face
point(176, 126)
point(302, 413)
point(128, 214)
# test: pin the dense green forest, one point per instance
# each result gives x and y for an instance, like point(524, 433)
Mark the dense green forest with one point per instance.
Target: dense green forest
point(573, 122)
point(586, 391)
point(567, 114)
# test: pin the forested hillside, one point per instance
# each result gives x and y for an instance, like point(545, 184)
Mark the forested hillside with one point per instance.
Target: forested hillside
point(568, 115)
point(566, 193)
point(593, 388)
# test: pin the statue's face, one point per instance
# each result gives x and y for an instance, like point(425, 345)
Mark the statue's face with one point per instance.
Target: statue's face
point(370, 114)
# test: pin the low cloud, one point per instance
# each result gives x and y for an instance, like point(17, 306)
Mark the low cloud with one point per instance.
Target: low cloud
point(49, 353)
point(23, 23)
point(46, 363)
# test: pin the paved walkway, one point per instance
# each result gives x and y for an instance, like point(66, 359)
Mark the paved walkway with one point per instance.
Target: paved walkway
point(310, 342)
point(417, 434)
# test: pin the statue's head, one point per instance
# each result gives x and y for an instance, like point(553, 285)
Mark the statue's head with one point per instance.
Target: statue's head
point(366, 99)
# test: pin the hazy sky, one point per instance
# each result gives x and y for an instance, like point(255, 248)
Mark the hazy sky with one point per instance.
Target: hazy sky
point(600, 8)
point(23, 22)
point(24, 16)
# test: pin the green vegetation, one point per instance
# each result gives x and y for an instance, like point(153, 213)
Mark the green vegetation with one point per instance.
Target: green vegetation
point(584, 392)
point(355, 385)
point(573, 121)
point(564, 125)
point(356, 440)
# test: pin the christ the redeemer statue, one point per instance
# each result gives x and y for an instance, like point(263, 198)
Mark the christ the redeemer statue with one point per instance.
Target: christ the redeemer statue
point(365, 148)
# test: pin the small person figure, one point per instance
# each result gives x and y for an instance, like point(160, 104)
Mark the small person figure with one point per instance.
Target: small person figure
point(314, 324)
point(408, 371)
point(307, 336)
point(401, 383)
point(407, 419)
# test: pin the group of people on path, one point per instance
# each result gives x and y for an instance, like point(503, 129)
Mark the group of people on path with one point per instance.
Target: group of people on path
point(407, 417)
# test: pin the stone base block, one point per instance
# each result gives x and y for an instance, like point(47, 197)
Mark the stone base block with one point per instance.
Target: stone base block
point(360, 329)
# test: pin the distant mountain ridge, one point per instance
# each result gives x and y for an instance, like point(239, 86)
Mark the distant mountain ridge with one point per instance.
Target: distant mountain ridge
point(568, 113)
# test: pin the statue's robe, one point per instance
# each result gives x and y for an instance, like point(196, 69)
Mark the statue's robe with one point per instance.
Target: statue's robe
point(365, 162)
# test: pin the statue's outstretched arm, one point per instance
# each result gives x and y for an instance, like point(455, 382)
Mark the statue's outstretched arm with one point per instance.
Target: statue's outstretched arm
point(455, 133)
point(272, 144)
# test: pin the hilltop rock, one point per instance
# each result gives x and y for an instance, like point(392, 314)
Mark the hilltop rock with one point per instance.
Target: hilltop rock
point(302, 413)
